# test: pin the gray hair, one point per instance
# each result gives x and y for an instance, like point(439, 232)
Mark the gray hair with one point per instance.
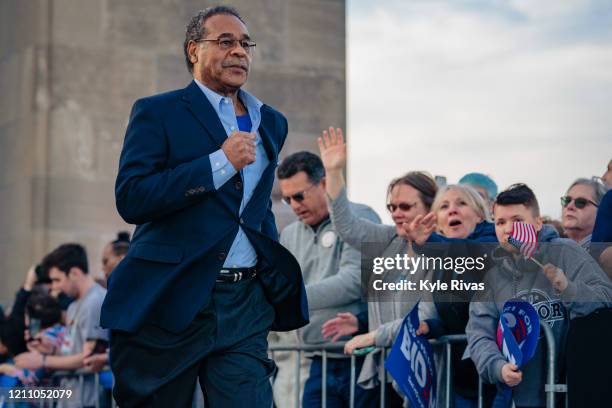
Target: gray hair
point(599, 188)
point(195, 29)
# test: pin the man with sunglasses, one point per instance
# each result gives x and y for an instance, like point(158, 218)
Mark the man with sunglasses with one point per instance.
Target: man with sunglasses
point(331, 270)
point(205, 278)
point(580, 205)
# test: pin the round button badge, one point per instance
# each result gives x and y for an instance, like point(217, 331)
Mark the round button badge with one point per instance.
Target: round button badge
point(328, 239)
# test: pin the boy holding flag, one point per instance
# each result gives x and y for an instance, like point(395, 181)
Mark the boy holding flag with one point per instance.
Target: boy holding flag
point(557, 277)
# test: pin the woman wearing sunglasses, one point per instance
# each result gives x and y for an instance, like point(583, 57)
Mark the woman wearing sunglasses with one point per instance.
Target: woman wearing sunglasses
point(408, 196)
point(580, 205)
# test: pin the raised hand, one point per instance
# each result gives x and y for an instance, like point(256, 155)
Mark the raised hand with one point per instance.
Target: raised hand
point(333, 149)
point(239, 148)
point(419, 230)
point(343, 325)
point(30, 279)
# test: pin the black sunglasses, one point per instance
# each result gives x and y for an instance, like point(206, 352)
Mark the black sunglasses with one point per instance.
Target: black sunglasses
point(297, 197)
point(579, 202)
point(401, 206)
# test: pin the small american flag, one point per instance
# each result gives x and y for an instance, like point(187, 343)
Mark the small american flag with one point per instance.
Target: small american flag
point(524, 238)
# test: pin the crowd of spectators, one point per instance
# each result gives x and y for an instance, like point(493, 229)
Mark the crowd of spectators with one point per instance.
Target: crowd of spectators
point(53, 329)
point(565, 275)
point(53, 324)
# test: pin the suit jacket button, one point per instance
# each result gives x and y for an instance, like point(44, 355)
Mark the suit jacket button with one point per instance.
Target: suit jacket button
point(238, 185)
point(221, 256)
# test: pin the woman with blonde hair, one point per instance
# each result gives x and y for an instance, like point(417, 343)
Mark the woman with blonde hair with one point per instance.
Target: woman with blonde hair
point(461, 215)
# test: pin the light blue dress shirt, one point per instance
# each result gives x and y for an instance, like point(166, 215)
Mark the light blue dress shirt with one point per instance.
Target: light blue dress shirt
point(241, 254)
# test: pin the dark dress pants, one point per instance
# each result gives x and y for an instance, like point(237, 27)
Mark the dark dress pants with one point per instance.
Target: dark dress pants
point(225, 347)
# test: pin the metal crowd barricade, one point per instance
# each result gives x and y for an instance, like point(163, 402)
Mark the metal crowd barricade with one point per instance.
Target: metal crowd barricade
point(551, 387)
point(325, 349)
point(80, 375)
point(299, 348)
point(446, 342)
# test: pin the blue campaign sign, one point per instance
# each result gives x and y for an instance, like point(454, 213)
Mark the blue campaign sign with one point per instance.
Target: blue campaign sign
point(517, 334)
point(518, 331)
point(411, 365)
point(509, 346)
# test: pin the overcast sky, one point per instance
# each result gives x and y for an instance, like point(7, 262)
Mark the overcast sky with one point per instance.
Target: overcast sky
point(520, 90)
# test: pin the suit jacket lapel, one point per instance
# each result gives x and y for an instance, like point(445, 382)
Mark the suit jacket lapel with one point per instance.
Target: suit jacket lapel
point(204, 112)
point(266, 130)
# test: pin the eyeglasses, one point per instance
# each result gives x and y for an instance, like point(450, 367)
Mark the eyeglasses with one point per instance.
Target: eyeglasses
point(297, 197)
point(226, 44)
point(579, 202)
point(401, 206)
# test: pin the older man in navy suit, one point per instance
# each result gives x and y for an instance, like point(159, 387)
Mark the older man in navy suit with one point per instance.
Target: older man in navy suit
point(205, 278)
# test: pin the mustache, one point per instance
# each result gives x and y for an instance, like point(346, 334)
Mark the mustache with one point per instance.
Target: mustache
point(238, 63)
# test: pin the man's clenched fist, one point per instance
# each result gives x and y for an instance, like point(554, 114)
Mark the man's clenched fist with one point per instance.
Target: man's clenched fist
point(240, 149)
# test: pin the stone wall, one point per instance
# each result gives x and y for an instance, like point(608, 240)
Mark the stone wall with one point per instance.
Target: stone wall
point(69, 73)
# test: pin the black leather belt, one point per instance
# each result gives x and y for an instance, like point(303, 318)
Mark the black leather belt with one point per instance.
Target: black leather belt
point(234, 275)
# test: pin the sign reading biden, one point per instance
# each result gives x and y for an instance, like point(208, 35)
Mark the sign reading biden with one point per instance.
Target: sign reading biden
point(411, 365)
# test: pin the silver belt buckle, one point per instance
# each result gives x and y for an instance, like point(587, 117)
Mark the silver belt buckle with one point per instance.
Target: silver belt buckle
point(221, 272)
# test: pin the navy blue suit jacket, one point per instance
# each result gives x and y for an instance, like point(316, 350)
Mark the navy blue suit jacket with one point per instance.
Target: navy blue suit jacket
point(185, 227)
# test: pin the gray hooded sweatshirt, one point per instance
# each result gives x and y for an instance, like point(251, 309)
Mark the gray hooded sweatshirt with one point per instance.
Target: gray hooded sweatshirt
point(515, 277)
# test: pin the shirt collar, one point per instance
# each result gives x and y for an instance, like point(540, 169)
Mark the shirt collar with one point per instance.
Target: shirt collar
point(586, 242)
point(250, 101)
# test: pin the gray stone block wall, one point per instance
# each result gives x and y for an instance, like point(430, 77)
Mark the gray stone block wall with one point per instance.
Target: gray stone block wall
point(69, 73)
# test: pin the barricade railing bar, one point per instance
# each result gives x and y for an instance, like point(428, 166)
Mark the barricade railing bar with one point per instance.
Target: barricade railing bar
point(81, 375)
point(445, 342)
